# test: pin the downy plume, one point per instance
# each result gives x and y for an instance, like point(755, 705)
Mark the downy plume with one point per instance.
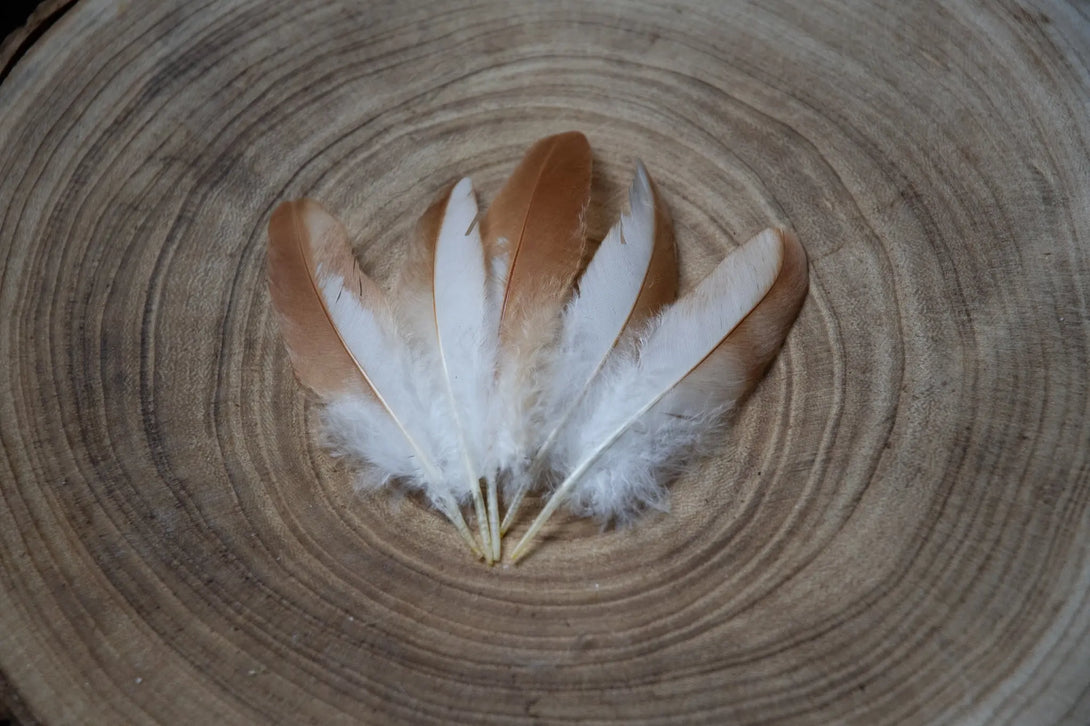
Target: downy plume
point(632, 275)
point(693, 364)
point(342, 337)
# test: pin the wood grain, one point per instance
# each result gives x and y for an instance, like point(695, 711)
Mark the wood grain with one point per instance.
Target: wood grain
point(894, 531)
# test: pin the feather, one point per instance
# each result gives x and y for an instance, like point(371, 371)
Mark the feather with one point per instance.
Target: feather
point(693, 364)
point(536, 223)
point(466, 338)
point(342, 337)
point(632, 275)
point(448, 301)
point(302, 239)
point(413, 282)
point(483, 363)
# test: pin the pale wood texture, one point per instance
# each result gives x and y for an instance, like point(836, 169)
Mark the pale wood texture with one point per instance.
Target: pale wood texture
point(895, 530)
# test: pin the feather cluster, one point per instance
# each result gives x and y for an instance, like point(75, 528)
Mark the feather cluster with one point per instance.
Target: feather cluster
point(498, 357)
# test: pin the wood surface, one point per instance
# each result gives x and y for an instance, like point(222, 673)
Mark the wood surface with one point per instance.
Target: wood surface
point(895, 530)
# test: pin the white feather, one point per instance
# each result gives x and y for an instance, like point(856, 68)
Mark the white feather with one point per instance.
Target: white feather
point(400, 432)
point(648, 408)
point(599, 314)
point(466, 341)
point(466, 345)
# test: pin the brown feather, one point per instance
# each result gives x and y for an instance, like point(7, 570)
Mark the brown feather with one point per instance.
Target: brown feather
point(415, 276)
point(303, 239)
point(540, 215)
point(661, 281)
point(744, 355)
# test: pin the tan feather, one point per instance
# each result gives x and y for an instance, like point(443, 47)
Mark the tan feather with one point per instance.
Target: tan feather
point(744, 355)
point(303, 239)
point(537, 219)
point(413, 285)
point(417, 271)
point(660, 284)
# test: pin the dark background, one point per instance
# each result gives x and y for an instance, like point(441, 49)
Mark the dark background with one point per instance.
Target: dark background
point(14, 13)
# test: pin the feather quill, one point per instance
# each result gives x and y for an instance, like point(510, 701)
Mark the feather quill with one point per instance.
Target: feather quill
point(694, 363)
point(632, 275)
point(342, 337)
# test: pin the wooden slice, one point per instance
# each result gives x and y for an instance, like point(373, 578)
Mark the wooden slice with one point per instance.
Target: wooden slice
point(894, 529)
